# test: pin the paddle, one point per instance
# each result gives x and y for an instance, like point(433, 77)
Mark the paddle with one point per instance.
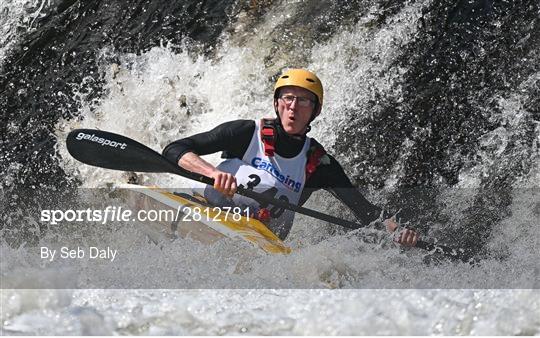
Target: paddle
point(112, 151)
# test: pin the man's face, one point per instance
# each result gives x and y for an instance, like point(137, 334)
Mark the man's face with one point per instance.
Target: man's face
point(295, 106)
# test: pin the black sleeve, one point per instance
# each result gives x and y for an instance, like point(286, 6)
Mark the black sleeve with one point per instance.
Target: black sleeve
point(332, 178)
point(232, 138)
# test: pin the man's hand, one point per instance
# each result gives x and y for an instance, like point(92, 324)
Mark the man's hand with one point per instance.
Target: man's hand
point(224, 182)
point(407, 237)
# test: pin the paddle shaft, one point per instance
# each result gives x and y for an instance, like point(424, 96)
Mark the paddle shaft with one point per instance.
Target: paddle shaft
point(310, 212)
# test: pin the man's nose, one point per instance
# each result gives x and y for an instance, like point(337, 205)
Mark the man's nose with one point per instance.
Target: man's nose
point(292, 106)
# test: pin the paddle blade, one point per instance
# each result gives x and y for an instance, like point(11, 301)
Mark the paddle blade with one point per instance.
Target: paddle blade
point(112, 151)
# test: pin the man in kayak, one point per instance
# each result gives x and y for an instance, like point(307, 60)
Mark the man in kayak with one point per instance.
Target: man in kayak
point(275, 156)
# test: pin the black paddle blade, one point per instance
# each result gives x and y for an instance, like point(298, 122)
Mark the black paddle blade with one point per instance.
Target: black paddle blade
point(112, 151)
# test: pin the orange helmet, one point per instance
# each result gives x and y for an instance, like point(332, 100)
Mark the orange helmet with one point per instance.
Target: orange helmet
point(301, 78)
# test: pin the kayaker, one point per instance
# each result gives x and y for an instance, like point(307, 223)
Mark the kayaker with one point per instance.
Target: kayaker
point(275, 156)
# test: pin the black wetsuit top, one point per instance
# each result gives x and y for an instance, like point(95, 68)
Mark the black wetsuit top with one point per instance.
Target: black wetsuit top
point(233, 138)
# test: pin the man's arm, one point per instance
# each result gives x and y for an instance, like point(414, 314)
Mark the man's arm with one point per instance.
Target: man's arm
point(232, 138)
point(332, 177)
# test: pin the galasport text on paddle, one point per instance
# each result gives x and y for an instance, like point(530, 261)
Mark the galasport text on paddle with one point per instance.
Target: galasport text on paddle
point(112, 151)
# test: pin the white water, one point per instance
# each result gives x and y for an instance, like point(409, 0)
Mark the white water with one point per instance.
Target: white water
point(274, 312)
point(145, 102)
point(18, 17)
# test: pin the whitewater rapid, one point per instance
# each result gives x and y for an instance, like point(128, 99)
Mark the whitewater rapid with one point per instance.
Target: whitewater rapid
point(164, 94)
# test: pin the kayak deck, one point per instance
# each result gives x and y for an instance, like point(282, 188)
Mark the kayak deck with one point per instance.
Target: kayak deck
point(212, 226)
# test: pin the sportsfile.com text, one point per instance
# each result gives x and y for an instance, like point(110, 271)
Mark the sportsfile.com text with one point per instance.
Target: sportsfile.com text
point(122, 214)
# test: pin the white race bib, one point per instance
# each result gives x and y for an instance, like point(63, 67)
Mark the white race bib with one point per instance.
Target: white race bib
point(277, 177)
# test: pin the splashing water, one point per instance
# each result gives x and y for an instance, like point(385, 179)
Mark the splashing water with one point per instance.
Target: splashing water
point(168, 92)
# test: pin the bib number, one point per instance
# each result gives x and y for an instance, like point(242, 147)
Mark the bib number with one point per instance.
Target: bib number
point(275, 211)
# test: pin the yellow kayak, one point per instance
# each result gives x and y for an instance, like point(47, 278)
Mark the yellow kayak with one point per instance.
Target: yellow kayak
point(195, 219)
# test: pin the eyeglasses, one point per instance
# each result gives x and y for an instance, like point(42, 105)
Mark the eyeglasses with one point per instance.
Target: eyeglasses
point(303, 102)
